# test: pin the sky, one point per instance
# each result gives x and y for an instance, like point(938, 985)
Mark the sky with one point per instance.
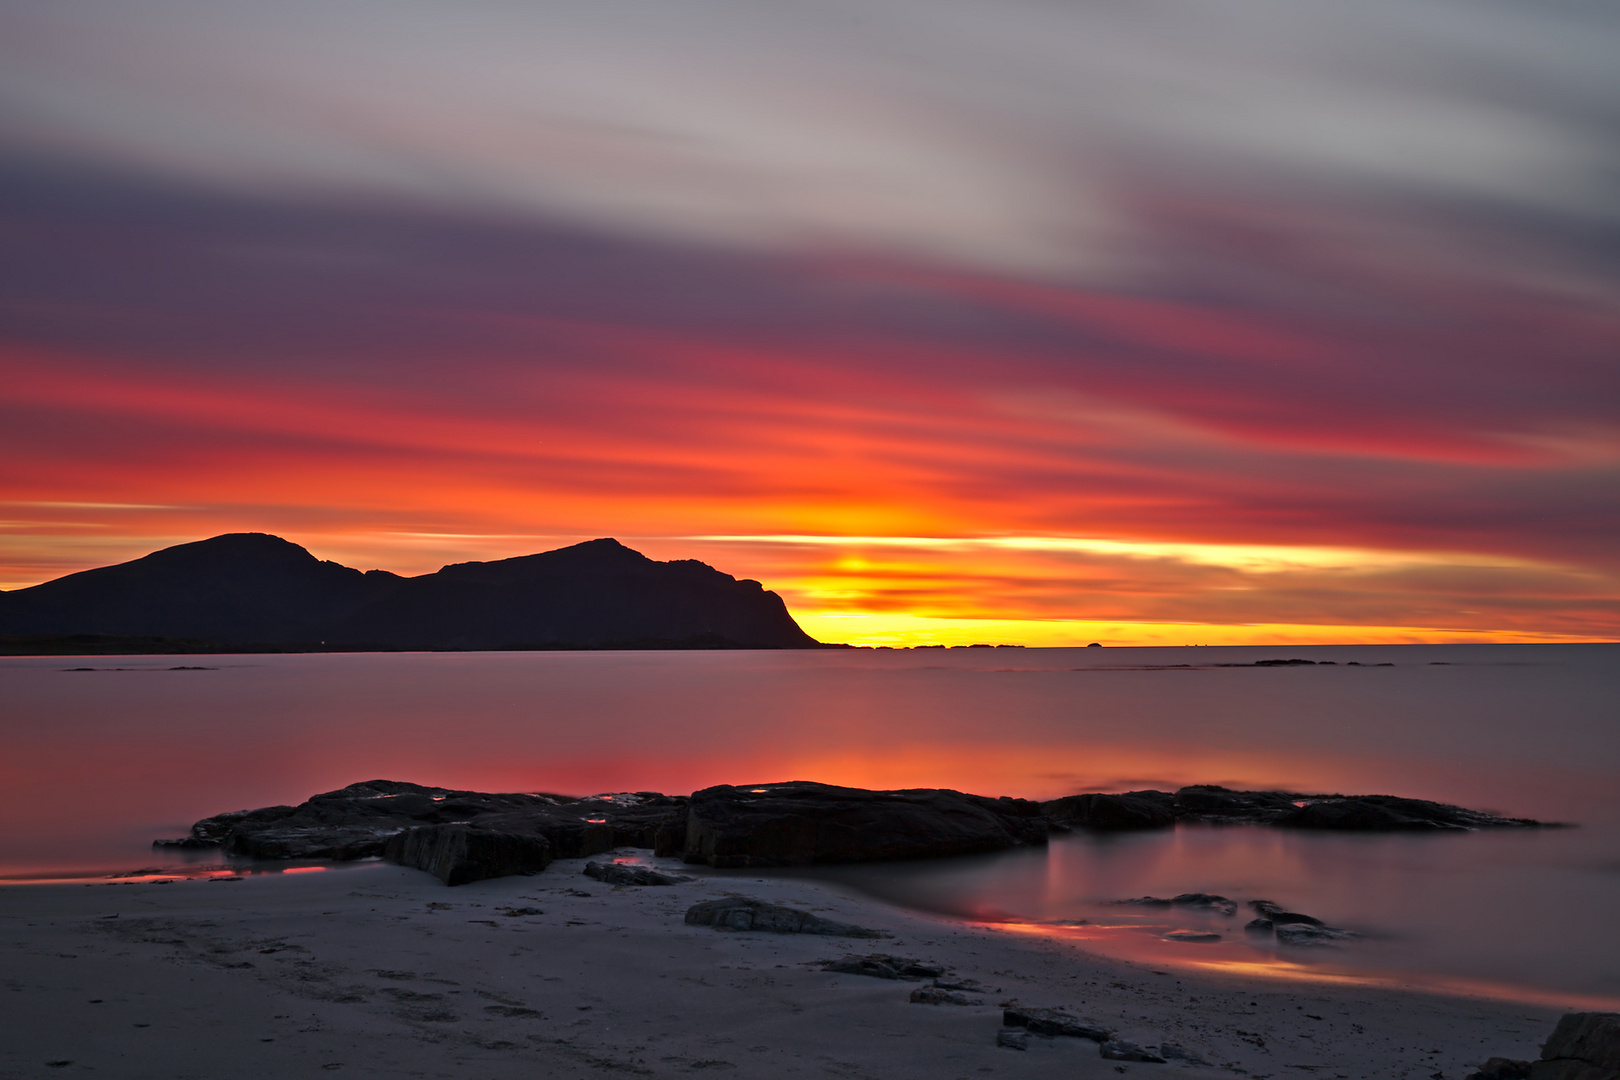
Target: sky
point(1025, 321)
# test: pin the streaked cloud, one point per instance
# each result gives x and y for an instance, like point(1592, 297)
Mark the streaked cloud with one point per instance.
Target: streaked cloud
point(1277, 316)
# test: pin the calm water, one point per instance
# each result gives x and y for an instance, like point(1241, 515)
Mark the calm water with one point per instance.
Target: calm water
point(97, 763)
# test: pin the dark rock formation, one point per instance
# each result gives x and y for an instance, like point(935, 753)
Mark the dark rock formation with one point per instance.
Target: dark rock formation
point(255, 590)
point(772, 825)
point(1584, 1046)
point(458, 854)
point(624, 874)
point(933, 995)
point(1207, 804)
point(739, 913)
point(1307, 934)
point(883, 966)
point(1192, 936)
point(802, 823)
point(358, 822)
point(1108, 813)
point(1053, 1022)
point(1275, 915)
point(1202, 901)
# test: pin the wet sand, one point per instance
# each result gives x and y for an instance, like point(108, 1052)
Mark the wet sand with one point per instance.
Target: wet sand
point(376, 970)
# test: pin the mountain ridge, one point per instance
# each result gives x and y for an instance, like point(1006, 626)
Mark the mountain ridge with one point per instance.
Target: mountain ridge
point(259, 590)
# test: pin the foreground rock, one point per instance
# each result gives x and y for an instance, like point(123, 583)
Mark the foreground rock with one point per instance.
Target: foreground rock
point(358, 821)
point(459, 854)
point(623, 874)
point(884, 966)
point(1584, 1046)
point(739, 913)
point(1053, 1022)
point(801, 823)
point(1207, 804)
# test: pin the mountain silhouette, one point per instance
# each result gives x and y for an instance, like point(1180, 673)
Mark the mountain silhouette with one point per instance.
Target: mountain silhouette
point(253, 589)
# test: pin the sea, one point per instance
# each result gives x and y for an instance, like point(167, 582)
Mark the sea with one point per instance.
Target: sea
point(101, 755)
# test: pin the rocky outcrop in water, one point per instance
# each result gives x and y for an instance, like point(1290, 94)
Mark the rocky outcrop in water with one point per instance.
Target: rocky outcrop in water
point(801, 823)
point(798, 823)
point(359, 822)
point(1208, 804)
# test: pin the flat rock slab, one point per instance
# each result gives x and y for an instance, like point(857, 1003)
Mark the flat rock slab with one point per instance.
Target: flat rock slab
point(1285, 809)
point(626, 874)
point(739, 913)
point(884, 966)
point(1053, 1022)
point(801, 823)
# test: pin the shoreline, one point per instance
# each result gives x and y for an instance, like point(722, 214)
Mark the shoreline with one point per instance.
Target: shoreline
point(378, 970)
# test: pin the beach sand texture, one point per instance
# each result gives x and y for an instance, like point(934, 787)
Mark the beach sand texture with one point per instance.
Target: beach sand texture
point(377, 970)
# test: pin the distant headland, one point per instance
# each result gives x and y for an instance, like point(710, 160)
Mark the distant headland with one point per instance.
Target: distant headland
point(253, 592)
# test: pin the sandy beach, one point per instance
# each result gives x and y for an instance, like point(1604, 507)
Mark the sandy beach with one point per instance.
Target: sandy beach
point(377, 970)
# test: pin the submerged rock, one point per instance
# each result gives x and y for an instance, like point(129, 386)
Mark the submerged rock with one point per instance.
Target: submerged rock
point(1270, 912)
point(1192, 936)
point(1308, 934)
point(739, 913)
point(801, 823)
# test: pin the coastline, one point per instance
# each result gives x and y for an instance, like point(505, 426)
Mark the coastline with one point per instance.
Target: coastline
point(378, 970)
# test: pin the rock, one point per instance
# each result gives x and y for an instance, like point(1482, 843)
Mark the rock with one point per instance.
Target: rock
point(1308, 934)
point(1277, 916)
point(358, 821)
point(1570, 1069)
point(801, 823)
point(1119, 1050)
point(1498, 1068)
point(1052, 1022)
point(1177, 1052)
point(458, 854)
point(1207, 901)
point(883, 966)
point(1259, 927)
point(1192, 936)
point(738, 913)
point(1113, 813)
point(625, 874)
point(933, 995)
point(1365, 813)
point(1012, 1040)
point(1144, 901)
point(1592, 1038)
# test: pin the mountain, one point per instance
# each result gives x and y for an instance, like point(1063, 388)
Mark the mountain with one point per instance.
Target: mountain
point(252, 589)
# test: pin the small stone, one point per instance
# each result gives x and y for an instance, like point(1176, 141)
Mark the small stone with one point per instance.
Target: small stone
point(1259, 927)
point(1051, 1022)
point(1119, 1050)
point(933, 995)
point(625, 874)
point(1177, 1052)
point(1012, 1040)
point(1192, 936)
point(741, 913)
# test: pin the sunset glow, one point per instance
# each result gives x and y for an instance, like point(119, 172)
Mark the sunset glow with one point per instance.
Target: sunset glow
point(932, 351)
